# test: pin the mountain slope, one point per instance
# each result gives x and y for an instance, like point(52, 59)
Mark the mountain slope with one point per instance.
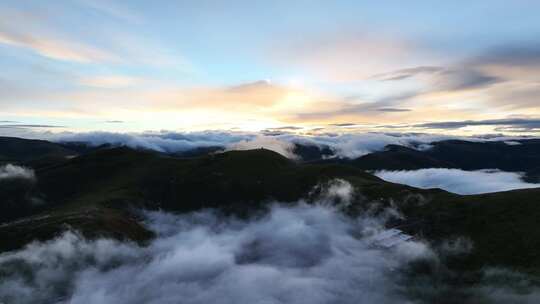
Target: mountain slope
point(94, 193)
point(17, 150)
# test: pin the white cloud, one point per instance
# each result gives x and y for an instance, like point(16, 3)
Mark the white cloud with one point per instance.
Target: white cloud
point(301, 254)
point(294, 254)
point(11, 171)
point(347, 145)
point(158, 141)
point(282, 147)
point(356, 145)
point(458, 181)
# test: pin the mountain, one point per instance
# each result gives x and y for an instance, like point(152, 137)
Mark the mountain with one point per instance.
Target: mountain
point(98, 193)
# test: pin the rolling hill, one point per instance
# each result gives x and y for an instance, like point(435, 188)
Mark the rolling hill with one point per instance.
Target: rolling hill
point(97, 192)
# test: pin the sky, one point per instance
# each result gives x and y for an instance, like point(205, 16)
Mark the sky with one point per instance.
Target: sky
point(465, 67)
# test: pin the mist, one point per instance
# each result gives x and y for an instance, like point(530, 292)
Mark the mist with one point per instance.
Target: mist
point(458, 181)
point(17, 191)
point(292, 253)
point(11, 171)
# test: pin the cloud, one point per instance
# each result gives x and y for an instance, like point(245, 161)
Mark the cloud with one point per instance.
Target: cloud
point(393, 110)
point(110, 81)
point(345, 145)
point(52, 47)
point(464, 79)
point(458, 181)
point(169, 142)
point(520, 55)
point(347, 107)
point(528, 124)
point(307, 254)
point(30, 126)
point(291, 254)
point(348, 54)
point(502, 77)
point(113, 10)
point(286, 128)
point(408, 73)
point(282, 147)
point(344, 124)
point(18, 193)
point(354, 145)
point(439, 79)
point(451, 78)
point(10, 171)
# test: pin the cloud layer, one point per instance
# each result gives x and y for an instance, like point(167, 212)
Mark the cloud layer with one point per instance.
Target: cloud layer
point(458, 181)
point(300, 254)
point(342, 145)
point(291, 254)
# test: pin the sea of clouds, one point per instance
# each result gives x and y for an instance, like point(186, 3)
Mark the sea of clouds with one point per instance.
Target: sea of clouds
point(458, 181)
point(295, 253)
point(345, 145)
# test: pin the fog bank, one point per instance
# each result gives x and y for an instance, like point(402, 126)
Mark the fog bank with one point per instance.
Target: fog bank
point(458, 181)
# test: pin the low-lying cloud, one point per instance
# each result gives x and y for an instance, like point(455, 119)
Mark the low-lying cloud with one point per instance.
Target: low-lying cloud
point(282, 147)
point(458, 181)
point(292, 254)
point(18, 193)
point(10, 171)
point(345, 145)
point(521, 124)
point(301, 254)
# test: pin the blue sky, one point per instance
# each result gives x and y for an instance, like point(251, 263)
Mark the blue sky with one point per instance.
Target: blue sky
point(256, 64)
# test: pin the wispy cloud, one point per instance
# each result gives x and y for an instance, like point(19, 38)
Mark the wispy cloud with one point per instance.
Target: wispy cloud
point(30, 126)
point(393, 110)
point(51, 47)
point(110, 81)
